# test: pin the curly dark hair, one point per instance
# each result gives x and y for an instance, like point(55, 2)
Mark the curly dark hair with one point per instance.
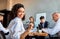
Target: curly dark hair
point(14, 10)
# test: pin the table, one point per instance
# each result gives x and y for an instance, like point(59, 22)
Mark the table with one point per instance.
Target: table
point(36, 35)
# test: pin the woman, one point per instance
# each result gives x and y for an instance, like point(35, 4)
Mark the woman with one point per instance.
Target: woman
point(31, 19)
point(16, 24)
point(30, 36)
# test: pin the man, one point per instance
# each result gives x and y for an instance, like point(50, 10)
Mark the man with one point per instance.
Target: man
point(43, 23)
point(56, 29)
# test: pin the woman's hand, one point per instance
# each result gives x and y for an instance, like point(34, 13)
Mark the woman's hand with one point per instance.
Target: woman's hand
point(31, 34)
point(22, 36)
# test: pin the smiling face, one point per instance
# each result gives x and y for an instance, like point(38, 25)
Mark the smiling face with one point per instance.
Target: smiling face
point(20, 12)
point(55, 17)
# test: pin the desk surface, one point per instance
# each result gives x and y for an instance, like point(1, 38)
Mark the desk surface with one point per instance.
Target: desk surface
point(38, 34)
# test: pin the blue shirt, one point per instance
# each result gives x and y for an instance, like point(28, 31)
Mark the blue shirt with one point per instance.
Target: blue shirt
point(54, 30)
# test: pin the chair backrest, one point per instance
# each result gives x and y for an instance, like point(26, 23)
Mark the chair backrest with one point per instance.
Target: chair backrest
point(2, 36)
point(58, 34)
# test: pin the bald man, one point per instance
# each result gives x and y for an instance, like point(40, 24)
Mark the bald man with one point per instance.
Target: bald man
point(56, 29)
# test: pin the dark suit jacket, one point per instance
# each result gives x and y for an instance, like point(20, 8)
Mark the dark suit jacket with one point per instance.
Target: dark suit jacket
point(45, 25)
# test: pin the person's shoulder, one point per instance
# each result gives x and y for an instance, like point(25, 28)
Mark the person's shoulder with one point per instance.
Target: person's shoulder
point(16, 19)
point(12, 21)
point(0, 23)
point(46, 21)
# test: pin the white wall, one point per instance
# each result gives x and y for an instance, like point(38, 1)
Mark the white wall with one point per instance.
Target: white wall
point(3, 4)
point(39, 6)
point(32, 7)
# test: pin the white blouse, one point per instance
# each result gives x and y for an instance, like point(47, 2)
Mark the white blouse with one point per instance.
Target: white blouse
point(16, 28)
